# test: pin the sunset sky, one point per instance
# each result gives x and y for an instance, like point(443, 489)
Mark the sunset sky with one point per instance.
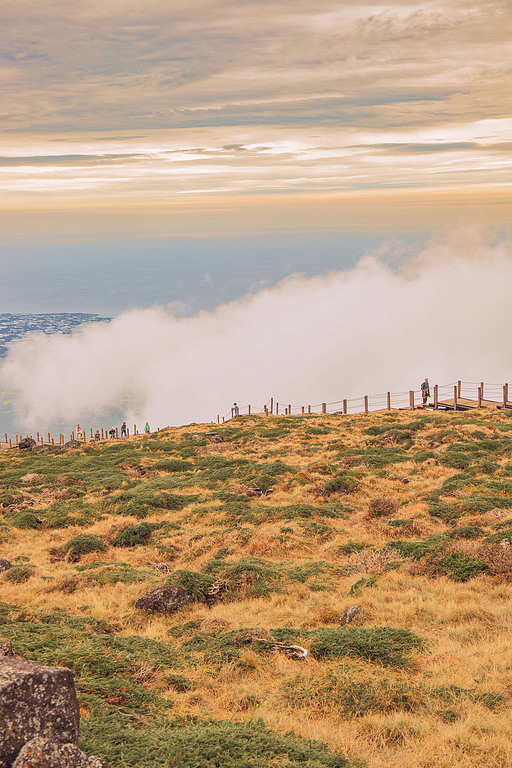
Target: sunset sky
point(125, 118)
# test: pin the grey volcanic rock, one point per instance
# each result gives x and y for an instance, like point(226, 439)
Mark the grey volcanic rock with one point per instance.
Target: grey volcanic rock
point(4, 564)
point(35, 701)
point(73, 444)
point(163, 600)
point(42, 753)
point(27, 442)
point(6, 649)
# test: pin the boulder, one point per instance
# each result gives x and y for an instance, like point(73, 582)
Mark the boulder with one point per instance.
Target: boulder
point(6, 649)
point(163, 600)
point(43, 753)
point(27, 442)
point(4, 565)
point(35, 701)
point(72, 444)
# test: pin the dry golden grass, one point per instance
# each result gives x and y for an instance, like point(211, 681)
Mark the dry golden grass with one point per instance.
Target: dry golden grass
point(465, 626)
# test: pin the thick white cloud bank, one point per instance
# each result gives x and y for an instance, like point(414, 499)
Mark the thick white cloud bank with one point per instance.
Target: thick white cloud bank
point(445, 313)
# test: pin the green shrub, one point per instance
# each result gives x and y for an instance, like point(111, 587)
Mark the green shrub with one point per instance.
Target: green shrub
point(180, 683)
point(384, 645)
point(173, 465)
point(459, 567)
point(382, 506)
point(24, 520)
point(195, 584)
point(134, 535)
point(466, 532)
point(342, 483)
point(19, 574)
point(206, 745)
point(82, 544)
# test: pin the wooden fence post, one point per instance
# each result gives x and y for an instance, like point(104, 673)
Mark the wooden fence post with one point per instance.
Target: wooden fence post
point(289, 410)
point(345, 407)
point(303, 410)
point(482, 389)
point(459, 389)
point(277, 409)
point(366, 403)
point(455, 397)
point(249, 409)
point(324, 407)
point(309, 409)
point(479, 397)
point(117, 435)
point(134, 429)
point(436, 397)
point(411, 399)
point(388, 401)
point(505, 394)
point(266, 410)
point(10, 443)
point(271, 405)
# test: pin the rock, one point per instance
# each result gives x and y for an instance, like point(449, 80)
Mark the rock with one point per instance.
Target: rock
point(4, 565)
point(72, 444)
point(27, 442)
point(163, 600)
point(6, 648)
point(35, 701)
point(350, 614)
point(214, 437)
point(43, 753)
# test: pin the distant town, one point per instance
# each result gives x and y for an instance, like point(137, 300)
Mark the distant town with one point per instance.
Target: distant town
point(14, 327)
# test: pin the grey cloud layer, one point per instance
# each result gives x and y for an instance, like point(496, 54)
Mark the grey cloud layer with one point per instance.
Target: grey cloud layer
point(125, 98)
point(69, 66)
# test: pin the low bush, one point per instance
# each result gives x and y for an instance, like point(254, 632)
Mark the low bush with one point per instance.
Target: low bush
point(382, 506)
point(135, 535)
point(19, 574)
point(342, 483)
point(82, 544)
point(24, 520)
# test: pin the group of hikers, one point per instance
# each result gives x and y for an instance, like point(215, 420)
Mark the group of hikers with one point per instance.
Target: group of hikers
point(112, 432)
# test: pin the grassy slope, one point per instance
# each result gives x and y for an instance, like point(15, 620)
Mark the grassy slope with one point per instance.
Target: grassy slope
point(408, 516)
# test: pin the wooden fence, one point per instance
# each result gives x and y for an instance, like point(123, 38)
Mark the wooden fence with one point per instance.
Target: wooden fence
point(456, 396)
point(85, 436)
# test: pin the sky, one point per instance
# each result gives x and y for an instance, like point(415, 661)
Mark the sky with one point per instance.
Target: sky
point(124, 119)
point(197, 169)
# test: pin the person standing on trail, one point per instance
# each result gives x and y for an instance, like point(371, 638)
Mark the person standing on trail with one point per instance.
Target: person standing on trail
point(235, 409)
point(78, 432)
point(425, 391)
point(124, 433)
point(147, 429)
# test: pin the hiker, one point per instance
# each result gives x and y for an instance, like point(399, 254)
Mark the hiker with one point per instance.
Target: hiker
point(112, 433)
point(123, 430)
point(425, 391)
point(235, 409)
point(97, 435)
point(146, 428)
point(79, 435)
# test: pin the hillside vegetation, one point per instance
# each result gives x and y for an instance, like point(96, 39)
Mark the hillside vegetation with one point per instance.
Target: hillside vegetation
point(381, 544)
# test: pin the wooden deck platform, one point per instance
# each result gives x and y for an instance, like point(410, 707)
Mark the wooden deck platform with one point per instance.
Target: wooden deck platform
point(464, 404)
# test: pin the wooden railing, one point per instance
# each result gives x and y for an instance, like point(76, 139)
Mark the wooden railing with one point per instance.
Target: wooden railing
point(455, 396)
